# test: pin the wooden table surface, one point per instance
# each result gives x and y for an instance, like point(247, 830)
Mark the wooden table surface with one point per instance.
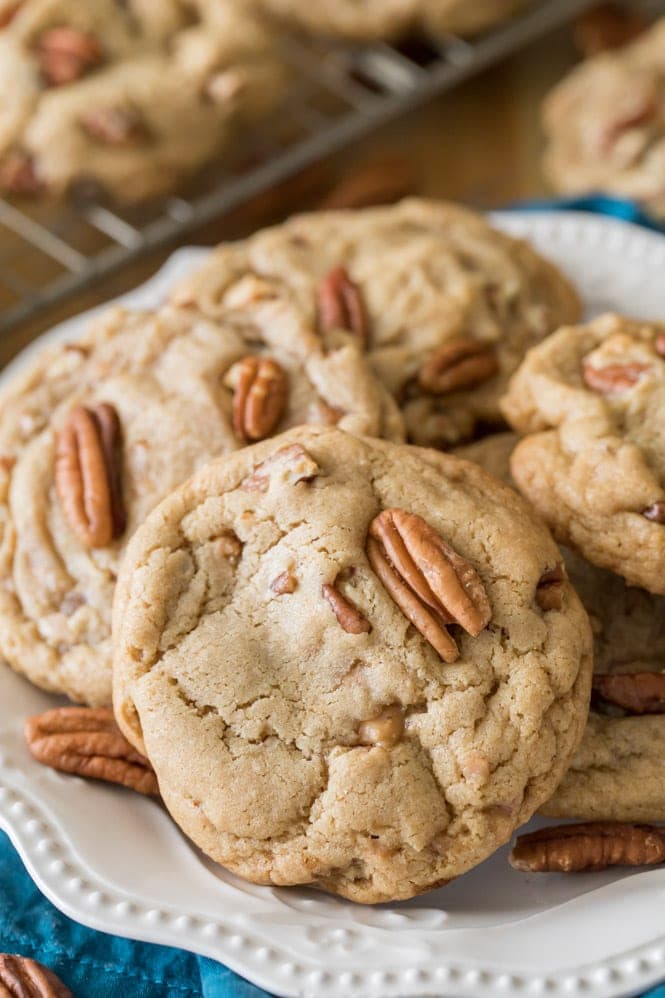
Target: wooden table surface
point(480, 144)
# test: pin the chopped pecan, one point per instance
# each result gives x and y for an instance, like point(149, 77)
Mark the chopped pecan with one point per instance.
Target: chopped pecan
point(293, 464)
point(613, 377)
point(260, 392)
point(549, 591)
point(114, 126)
point(655, 512)
point(341, 305)
point(456, 365)
point(593, 846)
point(348, 616)
point(372, 183)
point(285, 584)
point(386, 729)
point(432, 585)
point(87, 474)
point(18, 175)
point(66, 54)
point(634, 692)
point(21, 977)
point(606, 27)
point(9, 13)
point(86, 741)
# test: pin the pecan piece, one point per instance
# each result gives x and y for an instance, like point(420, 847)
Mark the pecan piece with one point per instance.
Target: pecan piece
point(86, 741)
point(66, 54)
point(612, 378)
point(655, 512)
point(114, 126)
point(293, 464)
point(592, 846)
point(18, 175)
point(432, 585)
point(9, 13)
point(606, 27)
point(456, 365)
point(549, 591)
point(660, 344)
point(340, 305)
point(348, 616)
point(87, 474)
point(21, 977)
point(386, 729)
point(284, 584)
point(260, 392)
point(634, 692)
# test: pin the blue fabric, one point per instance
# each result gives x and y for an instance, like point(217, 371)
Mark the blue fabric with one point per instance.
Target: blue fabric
point(96, 965)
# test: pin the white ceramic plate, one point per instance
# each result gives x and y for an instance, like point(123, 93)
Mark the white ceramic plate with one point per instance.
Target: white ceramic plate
point(114, 861)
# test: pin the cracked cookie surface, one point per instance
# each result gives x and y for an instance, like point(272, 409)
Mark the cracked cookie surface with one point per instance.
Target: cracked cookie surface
point(131, 97)
point(276, 656)
point(171, 378)
point(392, 18)
point(593, 461)
point(446, 305)
point(606, 124)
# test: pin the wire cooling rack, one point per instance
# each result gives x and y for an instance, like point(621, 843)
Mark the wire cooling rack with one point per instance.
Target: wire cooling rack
point(49, 251)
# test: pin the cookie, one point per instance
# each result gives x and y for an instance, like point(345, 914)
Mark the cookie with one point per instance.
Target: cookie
point(94, 434)
point(389, 19)
point(130, 97)
point(492, 453)
point(617, 773)
point(606, 126)
point(593, 463)
point(445, 305)
point(339, 665)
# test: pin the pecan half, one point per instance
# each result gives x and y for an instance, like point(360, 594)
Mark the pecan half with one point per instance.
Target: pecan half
point(432, 585)
point(21, 977)
point(456, 365)
point(634, 692)
point(260, 392)
point(87, 474)
point(66, 54)
point(341, 306)
point(593, 846)
point(114, 126)
point(18, 175)
point(386, 729)
point(348, 616)
point(655, 512)
point(549, 591)
point(86, 741)
point(293, 464)
point(606, 27)
point(612, 378)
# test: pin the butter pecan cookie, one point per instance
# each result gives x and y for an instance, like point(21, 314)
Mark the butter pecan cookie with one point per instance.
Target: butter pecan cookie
point(444, 304)
point(392, 18)
point(96, 432)
point(131, 97)
point(606, 124)
point(347, 664)
point(593, 463)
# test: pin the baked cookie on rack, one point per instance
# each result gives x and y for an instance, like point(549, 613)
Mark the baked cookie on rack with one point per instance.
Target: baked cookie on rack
point(95, 433)
point(391, 19)
point(593, 462)
point(130, 97)
point(606, 124)
point(445, 305)
point(351, 663)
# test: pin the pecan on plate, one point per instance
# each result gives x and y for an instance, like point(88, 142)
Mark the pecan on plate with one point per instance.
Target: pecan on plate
point(349, 618)
point(634, 692)
point(340, 305)
point(432, 585)
point(457, 365)
point(18, 175)
point(605, 27)
point(114, 125)
point(612, 378)
point(66, 54)
point(21, 977)
point(655, 512)
point(87, 474)
point(86, 741)
point(259, 396)
point(592, 846)
point(386, 729)
point(549, 591)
